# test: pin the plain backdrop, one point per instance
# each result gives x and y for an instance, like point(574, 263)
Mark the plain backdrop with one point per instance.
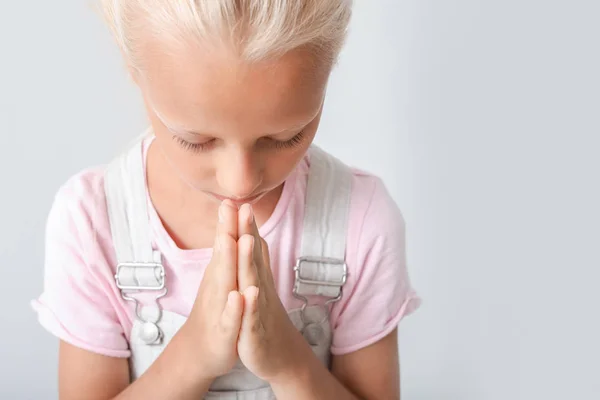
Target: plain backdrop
point(483, 119)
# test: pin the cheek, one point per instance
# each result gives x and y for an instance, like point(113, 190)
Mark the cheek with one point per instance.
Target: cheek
point(279, 167)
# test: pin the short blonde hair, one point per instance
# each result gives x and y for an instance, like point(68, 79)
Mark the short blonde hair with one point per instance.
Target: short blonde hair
point(256, 29)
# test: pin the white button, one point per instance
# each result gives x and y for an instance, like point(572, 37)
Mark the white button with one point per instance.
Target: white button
point(313, 334)
point(150, 333)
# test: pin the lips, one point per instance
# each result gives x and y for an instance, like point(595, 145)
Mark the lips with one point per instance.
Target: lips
point(238, 202)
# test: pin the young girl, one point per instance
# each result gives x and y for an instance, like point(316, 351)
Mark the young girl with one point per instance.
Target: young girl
point(224, 255)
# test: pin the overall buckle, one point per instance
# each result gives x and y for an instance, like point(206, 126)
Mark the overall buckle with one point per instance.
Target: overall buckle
point(156, 269)
point(320, 260)
point(303, 280)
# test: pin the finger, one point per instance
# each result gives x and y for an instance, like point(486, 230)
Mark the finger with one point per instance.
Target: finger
point(264, 246)
point(225, 234)
point(262, 260)
point(225, 266)
point(228, 219)
point(247, 226)
point(227, 223)
point(251, 318)
point(266, 257)
point(231, 319)
point(247, 274)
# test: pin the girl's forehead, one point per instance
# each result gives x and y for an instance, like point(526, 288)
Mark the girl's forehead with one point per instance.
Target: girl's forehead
point(220, 69)
point(187, 90)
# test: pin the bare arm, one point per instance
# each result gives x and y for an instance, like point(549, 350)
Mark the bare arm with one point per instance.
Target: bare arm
point(373, 372)
point(369, 373)
point(83, 374)
point(204, 347)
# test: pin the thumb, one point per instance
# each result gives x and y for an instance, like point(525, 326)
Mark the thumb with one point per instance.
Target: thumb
point(231, 318)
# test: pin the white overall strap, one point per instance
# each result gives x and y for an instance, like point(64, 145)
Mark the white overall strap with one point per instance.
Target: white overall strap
point(139, 267)
point(321, 270)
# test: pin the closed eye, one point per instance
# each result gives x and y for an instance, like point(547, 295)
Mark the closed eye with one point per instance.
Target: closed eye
point(295, 141)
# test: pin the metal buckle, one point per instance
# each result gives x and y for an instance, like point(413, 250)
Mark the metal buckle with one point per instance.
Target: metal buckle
point(321, 260)
point(152, 266)
point(300, 279)
point(155, 336)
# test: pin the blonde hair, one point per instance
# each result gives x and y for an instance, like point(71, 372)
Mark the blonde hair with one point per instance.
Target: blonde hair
point(256, 29)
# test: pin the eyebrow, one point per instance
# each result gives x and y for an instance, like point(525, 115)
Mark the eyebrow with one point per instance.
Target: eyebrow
point(181, 129)
point(172, 127)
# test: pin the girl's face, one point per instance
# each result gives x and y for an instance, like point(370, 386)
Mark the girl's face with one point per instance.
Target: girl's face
point(231, 129)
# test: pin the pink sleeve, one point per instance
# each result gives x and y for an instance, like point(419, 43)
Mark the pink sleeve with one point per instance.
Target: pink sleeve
point(378, 293)
point(73, 305)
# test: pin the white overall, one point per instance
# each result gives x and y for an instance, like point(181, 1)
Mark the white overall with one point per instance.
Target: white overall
point(320, 272)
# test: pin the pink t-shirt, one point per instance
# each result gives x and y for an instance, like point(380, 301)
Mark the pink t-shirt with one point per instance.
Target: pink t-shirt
point(81, 304)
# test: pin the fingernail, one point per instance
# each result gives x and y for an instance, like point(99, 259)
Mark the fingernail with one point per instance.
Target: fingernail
point(230, 298)
point(251, 212)
point(221, 218)
point(256, 293)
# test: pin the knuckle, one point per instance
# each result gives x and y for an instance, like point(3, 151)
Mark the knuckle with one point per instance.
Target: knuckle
point(229, 209)
point(228, 244)
point(224, 325)
point(224, 240)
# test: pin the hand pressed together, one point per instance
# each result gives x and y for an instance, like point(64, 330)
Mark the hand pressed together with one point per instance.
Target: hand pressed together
point(266, 340)
point(213, 326)
point(237, 311)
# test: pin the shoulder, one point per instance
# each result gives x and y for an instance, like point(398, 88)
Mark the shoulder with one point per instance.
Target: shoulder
point(376, 237)
point(376, 227)
point(84, 185)
point(83, 190)
point(78, 300)
point(378, 292)
point(78, 209)
point(369, 193)
point(374, 213)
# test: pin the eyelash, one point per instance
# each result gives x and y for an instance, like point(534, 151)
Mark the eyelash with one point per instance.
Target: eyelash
point(196, 147)
point(279, 145)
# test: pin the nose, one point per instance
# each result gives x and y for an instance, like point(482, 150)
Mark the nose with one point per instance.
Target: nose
point(238, 174)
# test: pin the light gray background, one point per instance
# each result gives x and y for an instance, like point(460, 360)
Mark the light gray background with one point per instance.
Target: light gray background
point(481, 116)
